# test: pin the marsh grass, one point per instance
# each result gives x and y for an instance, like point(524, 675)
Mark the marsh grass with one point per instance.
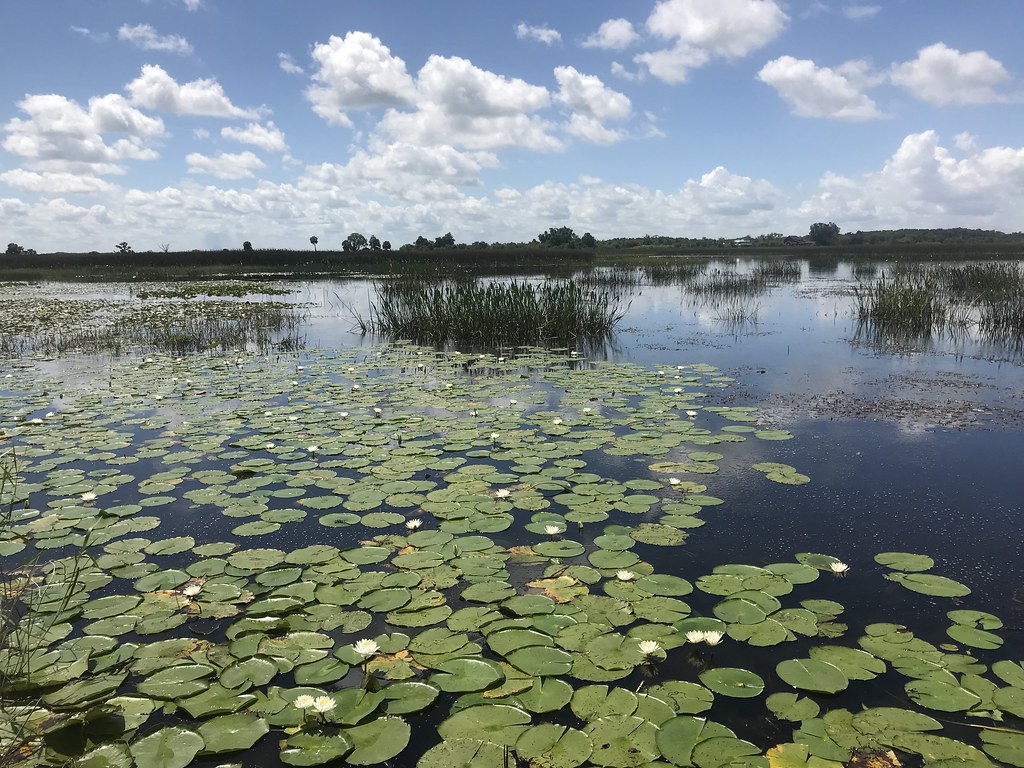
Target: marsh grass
point(779, 271)
point(727, 283)
point(919, 300)
point(491, 313)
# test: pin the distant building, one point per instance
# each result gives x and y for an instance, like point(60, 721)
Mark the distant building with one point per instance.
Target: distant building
point(742, 242)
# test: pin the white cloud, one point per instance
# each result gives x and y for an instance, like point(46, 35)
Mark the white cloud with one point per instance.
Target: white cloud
point(544, 35)
point(704, 29)
point(588, 95)
point(267, 137)
point(857, 12)
point(942, 75)
point(357, 72)
point(287, 64)
point(592, 130)
point(96, 37)
point(614, 35)
point(145, 37)
point(224, 165)
point(61, 183)
point(468, 107)
point(621, 72)
point(157, 90)
point(193, 5)
point(814, 91)
point(924, 184)
point(200, 134)
point(59, 135)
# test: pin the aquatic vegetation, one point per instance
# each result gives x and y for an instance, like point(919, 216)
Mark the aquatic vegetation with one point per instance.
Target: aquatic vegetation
point(236, 593)
point(490, 314)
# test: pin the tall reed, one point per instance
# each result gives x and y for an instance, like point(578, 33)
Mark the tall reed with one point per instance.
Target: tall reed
point(491, 313)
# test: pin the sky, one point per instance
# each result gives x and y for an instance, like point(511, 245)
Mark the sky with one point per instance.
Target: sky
point(187, 124)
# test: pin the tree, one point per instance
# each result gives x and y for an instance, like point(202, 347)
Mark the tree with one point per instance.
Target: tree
point(386, 245)
point(246, 246)
point(422, 244)
point(314, 240)
point(355, 242)
point(165, 247)
point(123, 247)
point(588, 241)
point(444, 241)
point(374, 243)
point(824, 234)
point(559, 237)
point(13, 249)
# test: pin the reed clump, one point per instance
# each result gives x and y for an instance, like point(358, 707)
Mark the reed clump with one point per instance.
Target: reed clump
point(922, 300)
point(492, 313)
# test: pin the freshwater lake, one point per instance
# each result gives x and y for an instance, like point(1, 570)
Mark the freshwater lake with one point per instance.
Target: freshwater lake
point(911, 445)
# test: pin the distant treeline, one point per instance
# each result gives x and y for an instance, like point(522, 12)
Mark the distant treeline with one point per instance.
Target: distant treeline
point(957, 235)
point(459, 260)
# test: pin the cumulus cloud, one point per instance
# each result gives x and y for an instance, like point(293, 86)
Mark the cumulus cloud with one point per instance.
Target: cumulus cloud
point(357, 72)
point(592, 103)
point(145, 37)
point(613, 35)
point(925, 184)
point(540, 34)
point(267, 137)
point(59, 135)
point(157, 90)
point(463, 105)
point(225, 165)
point(814, 91)
point(287, 64)
point(942, 75)
point(703, 29)
point(54, 183)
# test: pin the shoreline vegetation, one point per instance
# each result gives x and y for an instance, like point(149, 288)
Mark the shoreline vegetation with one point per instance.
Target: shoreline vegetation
point(454, 260)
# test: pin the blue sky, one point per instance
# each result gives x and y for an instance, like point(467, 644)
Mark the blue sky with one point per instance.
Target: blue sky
point(203, 123)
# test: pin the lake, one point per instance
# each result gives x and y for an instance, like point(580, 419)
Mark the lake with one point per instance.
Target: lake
point(198, 540)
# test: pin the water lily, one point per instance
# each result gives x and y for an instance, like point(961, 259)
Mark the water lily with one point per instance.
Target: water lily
point(713, 636)
point(270, 446)
point(377, 411)
point(192, 590)
point(649, 647)
point(692, 414)
point(678, 390)
point(624, 575)
point(88, 496)
point(588, 410)
point(695, 636)
point(304, 701)
point(366, 647)
point(356, 386)
point(512, 402)
point(412, 525)
point(674, 481)
point(502, 493)
point(556, 422)
point(313, 448)
point(324, 704)
point(838, 566)
point(495, 436)
point(552, 530)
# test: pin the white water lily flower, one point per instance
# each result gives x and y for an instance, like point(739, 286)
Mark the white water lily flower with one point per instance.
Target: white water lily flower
point(649, 647)
point(378, 411)
point(695, 636)
point(495, 435)
point(556, 422)
point(412, 525)
point(270, 446)
point(49, 415)
point(365, 647)
point(293, 418)
point(88, 496)
point(313, 448)
point(674, 481)
point(691, 414)
point(624, 575)
point(713, 636)
point(588, 410)
point(512, 402)
point(344, 414)
point(192, 590)
point(838, 566)
point(324, 704)
point(677, 390)
point(355, 386)
point(552, 530)
point(502, 493)
point(304, 701)
point(35, 421)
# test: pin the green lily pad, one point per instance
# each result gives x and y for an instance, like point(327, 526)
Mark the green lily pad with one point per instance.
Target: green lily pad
point(230, 733)
point(170, 747)
point(930, 584)
point(812, 675)
point(733, 681)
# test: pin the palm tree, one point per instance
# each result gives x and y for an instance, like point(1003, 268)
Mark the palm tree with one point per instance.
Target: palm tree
point(314, 240)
